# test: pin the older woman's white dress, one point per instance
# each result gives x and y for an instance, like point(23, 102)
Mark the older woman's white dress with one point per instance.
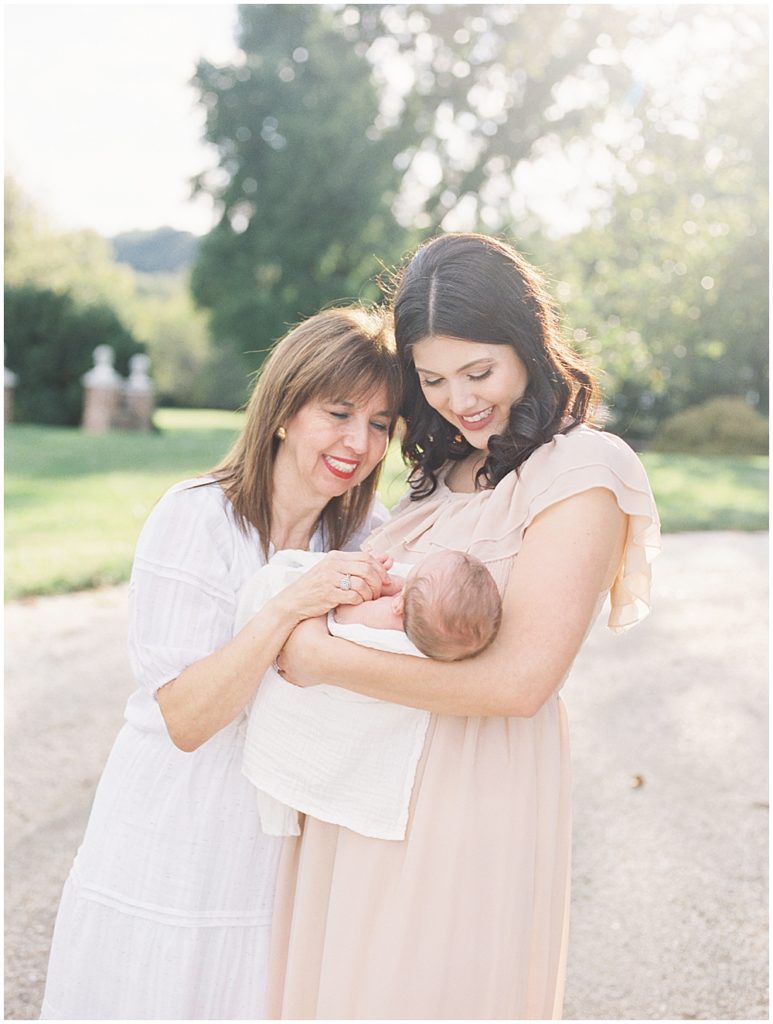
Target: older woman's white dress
point(166, 913)
point(467, 917)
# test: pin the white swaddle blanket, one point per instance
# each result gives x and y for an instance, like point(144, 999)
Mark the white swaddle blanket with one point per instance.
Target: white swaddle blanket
point(328, 752)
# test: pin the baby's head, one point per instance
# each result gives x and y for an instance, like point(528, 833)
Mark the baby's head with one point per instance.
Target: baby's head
point(451, 606)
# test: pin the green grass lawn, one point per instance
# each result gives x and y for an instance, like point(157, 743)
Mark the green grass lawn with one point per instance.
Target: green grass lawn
point(74, 504)
point(709, 492)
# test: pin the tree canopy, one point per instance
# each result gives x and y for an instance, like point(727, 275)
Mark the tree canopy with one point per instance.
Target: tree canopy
point(346, 134)
point(668, 292)
point(305, 181)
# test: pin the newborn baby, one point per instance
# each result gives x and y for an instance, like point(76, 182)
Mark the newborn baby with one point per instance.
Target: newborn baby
point(449, 607)
point(338, 755)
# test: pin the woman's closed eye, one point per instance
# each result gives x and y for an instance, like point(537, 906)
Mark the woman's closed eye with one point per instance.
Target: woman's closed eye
point(431, 382)
point(379, 425)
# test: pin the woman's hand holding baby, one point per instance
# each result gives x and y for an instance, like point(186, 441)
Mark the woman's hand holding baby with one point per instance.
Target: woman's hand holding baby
point(341, 577)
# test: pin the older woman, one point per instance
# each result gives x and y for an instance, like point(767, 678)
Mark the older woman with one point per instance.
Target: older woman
point(467, 916)
point(167, 909)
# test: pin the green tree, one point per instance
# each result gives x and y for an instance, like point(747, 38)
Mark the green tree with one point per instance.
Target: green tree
point(305, 181)
point(482, 90)
point(668, 291)
point(49, 343)
point(489, 87)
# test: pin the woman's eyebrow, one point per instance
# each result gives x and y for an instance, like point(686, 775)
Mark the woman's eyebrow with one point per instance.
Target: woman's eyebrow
point(474, 362)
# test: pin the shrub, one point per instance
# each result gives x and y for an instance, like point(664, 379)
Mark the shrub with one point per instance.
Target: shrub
point(49, 344)
point(721, 426)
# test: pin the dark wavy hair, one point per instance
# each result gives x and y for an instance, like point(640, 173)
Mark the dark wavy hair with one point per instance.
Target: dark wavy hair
point(478, 288)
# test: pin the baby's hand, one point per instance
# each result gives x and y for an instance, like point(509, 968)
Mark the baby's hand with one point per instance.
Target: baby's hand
point(392, 584)
point(386, 560)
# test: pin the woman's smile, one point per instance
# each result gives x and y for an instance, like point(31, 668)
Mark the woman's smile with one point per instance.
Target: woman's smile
point(478, 421)
point(340, 467)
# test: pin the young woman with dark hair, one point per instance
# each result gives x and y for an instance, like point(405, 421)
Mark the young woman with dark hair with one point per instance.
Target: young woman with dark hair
point(510, 307)
point(467, 917)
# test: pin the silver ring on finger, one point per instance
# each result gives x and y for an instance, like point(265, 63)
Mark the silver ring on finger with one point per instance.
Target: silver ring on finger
point(345, 583)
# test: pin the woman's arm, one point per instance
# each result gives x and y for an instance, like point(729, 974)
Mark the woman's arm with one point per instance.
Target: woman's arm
point(570, 554)
point(211, 692)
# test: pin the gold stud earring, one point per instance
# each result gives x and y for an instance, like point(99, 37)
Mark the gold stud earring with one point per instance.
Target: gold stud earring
point(280, 434)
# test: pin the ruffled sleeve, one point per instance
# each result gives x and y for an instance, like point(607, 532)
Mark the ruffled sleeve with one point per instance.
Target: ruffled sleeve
point(491, 524)
point(585, 459)
point(181, 594)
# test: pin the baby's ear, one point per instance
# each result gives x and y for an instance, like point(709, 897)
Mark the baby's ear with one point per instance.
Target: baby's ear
point(398, 604)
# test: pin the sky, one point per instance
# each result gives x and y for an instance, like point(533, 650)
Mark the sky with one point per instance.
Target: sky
point(102, 129)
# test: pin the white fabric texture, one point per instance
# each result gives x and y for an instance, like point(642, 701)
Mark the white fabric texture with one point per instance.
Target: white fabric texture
point(332, 753)
point(167, 911)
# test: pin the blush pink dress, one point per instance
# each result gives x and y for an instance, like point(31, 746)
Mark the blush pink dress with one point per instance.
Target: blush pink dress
point(467, 917)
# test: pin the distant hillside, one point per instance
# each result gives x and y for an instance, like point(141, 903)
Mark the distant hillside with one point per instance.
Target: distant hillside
point(163, 251)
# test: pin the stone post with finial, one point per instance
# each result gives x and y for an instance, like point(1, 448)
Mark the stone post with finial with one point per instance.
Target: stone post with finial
point(139, 393)
point(8, 393)
point(102, 392)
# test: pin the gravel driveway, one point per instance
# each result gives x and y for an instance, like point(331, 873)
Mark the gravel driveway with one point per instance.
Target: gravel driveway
point(669, 743)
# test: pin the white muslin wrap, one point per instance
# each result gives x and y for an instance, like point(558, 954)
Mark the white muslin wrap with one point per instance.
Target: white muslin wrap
point(328, 752)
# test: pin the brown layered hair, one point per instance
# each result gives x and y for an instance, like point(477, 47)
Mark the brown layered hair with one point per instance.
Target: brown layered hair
point(340, 352)
point(478, 288)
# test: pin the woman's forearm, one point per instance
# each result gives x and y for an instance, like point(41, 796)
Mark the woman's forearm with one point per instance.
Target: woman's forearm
point(210, 693)
point(488, 684)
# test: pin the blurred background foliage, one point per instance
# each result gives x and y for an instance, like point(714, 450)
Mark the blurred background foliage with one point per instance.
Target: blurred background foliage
point(50, 343)
point(623, 148)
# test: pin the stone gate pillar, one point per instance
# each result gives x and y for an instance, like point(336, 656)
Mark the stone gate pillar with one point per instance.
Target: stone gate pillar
point(102, 391)
point(10, 388)
point(139, 393)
